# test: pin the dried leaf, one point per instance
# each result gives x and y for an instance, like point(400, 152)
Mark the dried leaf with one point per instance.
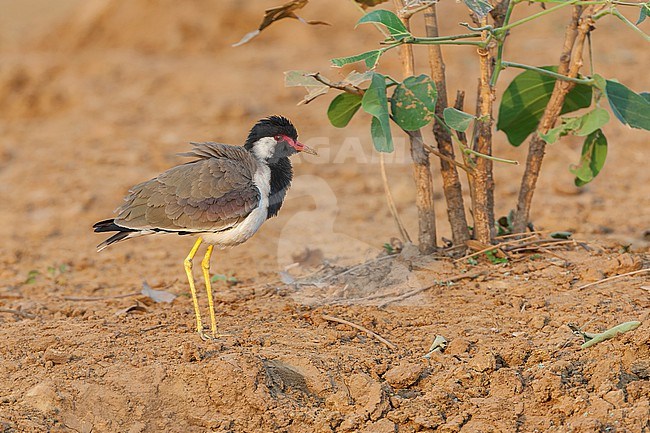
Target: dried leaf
point(611, 333)
point(157, 295)
point(135, 307)
point(303, 78)
point(369, 3)
point(276, 14)
point(439, 345)
point(286, 278)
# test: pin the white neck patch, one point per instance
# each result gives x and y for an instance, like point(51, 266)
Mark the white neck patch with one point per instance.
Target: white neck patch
point(264, 147)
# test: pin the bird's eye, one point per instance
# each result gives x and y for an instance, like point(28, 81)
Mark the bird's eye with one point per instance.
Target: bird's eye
point(278, 137)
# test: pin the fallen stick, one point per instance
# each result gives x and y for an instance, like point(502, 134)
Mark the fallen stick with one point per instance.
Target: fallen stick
point(613, 278)
point(439, 283)
point(18, 313)
point(492, 247)
point(100, 298)
point(360, 328)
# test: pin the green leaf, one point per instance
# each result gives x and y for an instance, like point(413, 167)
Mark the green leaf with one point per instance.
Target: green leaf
point(645, 11)
point(392, 22)
point(525, 99)
point(375, 103)
point(561, 235)
point(479, 7)
point(580, 126)
point(591, 121)
point(629, 107)
point(414, 102)
point(594, 153)
point(456, 119)
point(381, 138)
point(645, 95)
point(369, 57)
point(599, 82)
point(342, 108)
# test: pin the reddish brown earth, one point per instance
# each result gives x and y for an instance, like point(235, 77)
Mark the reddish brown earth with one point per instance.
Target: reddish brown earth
point(96, 96)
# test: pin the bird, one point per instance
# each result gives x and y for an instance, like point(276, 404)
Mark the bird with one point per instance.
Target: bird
point(221, 197)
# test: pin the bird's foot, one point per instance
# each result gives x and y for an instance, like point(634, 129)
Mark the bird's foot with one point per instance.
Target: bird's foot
point(211, 336)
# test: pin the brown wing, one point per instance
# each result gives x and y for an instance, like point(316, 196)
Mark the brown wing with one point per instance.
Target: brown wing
point(211, 194)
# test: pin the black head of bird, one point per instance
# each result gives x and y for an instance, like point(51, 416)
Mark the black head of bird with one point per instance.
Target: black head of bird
point(222, 197)
point(274, 138)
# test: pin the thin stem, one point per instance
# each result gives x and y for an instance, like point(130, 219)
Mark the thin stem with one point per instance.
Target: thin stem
point(391, 203)
point(629, 23)
point(535, 16)
point(481, 155)
point(467, 150)
point(348, 88)
point(426, 41)
point(587, 81)
point(451, 37)
point(444, 157)
point(435, 151)
point(498, 66)
point(477, 29)
point(409, 13)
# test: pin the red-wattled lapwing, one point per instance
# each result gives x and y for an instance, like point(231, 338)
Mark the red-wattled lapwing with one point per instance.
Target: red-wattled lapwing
point(222, 197)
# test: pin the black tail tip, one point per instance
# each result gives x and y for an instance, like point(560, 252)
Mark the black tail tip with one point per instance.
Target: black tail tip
point(107, 226)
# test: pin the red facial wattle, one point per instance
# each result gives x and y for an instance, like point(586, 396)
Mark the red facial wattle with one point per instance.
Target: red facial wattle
point(295, 144)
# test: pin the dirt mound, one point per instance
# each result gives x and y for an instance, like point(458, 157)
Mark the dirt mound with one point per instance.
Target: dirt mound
point(33, 87)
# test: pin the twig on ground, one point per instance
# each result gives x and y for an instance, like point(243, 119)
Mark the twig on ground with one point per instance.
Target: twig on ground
point(492, 247)
point(360, 328)
point(557, 256)
point(438, 283)
point(100, 298)
point(151, 328)
point(615, 277)
point(518, 235)
point(18, 313)
point(540, 243)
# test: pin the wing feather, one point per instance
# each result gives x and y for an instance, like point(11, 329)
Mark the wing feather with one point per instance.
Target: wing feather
point(212, 193)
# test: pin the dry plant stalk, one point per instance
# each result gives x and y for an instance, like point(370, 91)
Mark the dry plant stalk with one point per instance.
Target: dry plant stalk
point(421, 165)
point(450, 180)
point(570, 63)
point(360, 328)
point(482, 180)
point(389, 199)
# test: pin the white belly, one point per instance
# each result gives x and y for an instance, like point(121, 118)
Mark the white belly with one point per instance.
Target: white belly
point(247, 228)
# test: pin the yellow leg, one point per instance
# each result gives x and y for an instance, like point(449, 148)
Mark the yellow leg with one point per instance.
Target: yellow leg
point(188, 270)
point(205, 266)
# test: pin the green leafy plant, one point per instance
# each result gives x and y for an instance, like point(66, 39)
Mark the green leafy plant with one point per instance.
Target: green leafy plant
point(31, 276)
point(531, 108)
point(494, 258)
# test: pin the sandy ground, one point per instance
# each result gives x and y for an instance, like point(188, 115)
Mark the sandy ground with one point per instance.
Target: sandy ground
point(97, 96)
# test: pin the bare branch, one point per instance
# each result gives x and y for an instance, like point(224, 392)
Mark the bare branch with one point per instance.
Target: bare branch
point(348, 88)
